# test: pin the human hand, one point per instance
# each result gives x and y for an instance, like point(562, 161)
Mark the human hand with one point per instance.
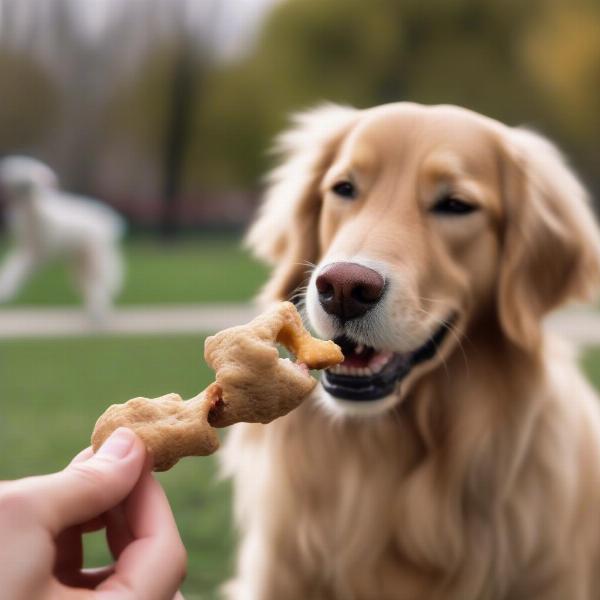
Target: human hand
point(42, 520)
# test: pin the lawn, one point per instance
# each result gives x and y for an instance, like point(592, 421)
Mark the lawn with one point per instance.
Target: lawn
point(51, 392)
point(186, 271)
point(591, 365)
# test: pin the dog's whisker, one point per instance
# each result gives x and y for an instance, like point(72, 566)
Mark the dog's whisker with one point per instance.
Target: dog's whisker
point(438, 300)
point(305, 263)
point(452, 332)
point(299, 294)
point(442, 323)
point(459, 340)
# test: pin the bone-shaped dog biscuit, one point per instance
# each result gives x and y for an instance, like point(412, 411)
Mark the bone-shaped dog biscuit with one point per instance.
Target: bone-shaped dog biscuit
point(253, 384)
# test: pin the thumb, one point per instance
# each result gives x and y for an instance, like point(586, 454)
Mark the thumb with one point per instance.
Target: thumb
point(86, 489)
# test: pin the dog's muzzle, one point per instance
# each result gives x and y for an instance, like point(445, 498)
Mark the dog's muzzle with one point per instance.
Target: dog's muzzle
point(369, 374)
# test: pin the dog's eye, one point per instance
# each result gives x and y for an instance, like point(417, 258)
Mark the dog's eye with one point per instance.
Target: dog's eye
point(345, 189)
point(449, 205)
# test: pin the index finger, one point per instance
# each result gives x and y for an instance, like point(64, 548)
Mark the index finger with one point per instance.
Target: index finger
point(153, 565)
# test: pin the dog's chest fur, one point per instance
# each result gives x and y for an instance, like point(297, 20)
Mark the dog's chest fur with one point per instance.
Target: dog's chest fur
point(346, 501)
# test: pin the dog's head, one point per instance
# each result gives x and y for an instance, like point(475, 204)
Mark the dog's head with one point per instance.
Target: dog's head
point(402, 227)
point(21, 176)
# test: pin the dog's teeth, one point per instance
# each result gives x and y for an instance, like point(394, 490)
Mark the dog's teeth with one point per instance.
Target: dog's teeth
point(354, 371)
point(359, 349)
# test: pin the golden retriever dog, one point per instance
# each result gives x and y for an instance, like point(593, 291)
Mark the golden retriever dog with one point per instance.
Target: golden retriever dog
point(455, 454)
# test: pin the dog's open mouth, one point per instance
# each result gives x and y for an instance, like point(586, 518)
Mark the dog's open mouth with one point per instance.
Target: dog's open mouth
point(369, 374)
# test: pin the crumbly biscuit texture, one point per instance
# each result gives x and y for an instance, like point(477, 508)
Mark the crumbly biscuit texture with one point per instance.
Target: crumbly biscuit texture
point(285, 322)
point(253, 384)
point(257, 385)
point(170, 427)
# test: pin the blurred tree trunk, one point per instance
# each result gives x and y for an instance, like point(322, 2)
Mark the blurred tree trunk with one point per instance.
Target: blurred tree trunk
point(191, 67)
point(187, 78)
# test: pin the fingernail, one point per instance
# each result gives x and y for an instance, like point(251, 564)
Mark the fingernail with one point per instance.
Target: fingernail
point(118, 444)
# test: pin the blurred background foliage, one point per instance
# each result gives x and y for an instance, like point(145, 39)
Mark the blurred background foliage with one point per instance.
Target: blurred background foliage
point(103, 118)
point(29, 105)
point(534, 62)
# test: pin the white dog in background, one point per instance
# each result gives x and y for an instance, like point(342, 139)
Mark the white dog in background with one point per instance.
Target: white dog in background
point(47, 223)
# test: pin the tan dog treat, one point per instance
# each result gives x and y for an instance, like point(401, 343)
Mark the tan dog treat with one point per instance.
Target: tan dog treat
point(257, 385)
point(170, 427)
point(253, 384)
point(314, 353)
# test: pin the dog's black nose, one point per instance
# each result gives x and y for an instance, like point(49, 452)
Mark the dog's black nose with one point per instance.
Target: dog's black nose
point(348, 290)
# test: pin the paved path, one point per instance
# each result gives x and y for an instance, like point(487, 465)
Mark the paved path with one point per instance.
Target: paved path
point(580, 325)
point(188, 318)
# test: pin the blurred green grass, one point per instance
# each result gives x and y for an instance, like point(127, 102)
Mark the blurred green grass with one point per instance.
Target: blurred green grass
point(183, 271)
point(591, 365)
point(52, 391)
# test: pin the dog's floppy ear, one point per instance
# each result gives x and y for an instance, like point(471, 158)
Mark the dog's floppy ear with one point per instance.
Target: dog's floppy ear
point(551, 244)
point(285, 233)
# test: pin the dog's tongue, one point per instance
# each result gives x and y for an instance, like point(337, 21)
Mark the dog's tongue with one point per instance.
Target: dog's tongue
point(359, 356)
point(356, 355)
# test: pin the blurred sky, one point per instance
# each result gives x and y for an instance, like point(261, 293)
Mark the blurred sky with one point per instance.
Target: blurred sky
point(229, 25)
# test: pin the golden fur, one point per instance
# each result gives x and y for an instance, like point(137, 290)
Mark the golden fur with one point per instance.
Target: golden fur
point(480, 477)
